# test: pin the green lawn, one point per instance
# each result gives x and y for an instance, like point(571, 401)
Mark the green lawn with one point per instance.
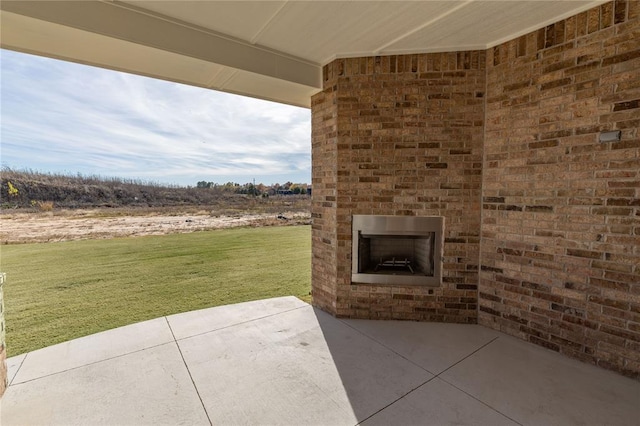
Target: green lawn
point(59, 291)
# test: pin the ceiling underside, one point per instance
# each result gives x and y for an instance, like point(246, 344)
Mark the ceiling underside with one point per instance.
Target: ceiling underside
point(271, 50)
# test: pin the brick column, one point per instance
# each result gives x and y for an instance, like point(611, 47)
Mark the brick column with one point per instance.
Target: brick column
point(324, 177)
point(3, 352)
point(398, 135)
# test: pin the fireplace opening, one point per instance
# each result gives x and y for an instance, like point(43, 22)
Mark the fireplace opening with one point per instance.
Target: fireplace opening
point(400, 250)
point(380, 254)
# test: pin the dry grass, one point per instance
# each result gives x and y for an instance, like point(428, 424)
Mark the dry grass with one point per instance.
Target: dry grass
point(45, 206)
point(66, 225)
point(24, 189)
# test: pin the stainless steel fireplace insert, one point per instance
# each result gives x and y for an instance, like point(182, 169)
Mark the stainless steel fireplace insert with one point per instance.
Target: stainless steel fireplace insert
point(397, 250)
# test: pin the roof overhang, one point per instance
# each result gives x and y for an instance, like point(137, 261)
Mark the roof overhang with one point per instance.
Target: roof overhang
point(271, 50)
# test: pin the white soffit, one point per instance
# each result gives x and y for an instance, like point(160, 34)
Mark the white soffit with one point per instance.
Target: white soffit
point(320, 31)
point(339, 29)
point(267, 49)
point(33, 35)
point(486, 24)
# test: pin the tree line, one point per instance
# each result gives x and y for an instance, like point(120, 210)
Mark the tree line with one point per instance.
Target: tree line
point(288, 188)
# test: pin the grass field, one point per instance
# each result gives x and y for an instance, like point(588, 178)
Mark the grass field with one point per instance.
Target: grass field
point(60, 291)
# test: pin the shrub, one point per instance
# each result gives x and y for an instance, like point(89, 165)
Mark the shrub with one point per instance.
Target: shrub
point(45, 206)
point(12, 190)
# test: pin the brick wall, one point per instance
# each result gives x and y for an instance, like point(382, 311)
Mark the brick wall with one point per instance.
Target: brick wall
point(557, 236)
point(399, 135)
point(561, 211)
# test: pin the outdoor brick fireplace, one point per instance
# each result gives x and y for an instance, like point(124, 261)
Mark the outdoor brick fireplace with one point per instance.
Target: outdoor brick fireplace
point(393, 141)
point(542, 215)
point(397, 250)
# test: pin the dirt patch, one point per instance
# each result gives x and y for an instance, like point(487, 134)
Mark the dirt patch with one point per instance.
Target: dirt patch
point(96, 224)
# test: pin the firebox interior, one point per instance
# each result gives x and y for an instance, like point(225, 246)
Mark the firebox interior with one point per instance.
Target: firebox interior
point(397, 250)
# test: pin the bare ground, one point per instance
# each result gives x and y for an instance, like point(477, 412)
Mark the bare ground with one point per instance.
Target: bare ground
point(65, 225)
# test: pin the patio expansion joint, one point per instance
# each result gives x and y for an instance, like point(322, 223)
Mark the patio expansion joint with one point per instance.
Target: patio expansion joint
point(238, 323)
point(389, 348)
point(395, 400)
point(195, 387)
point(18, 370)
point(435, 375)
point(467, 393)
point(83, 365)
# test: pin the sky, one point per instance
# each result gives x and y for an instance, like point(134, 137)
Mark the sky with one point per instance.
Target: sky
point(62, 117)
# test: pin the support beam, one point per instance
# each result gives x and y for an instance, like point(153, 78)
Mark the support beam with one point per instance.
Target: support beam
point(125, 23)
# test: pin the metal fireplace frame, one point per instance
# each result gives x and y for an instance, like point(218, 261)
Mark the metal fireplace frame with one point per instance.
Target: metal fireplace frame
point(398, 226)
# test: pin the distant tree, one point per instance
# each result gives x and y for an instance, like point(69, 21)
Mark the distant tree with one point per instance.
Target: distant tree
point(251, 189)
point(229, 187)
point(205, 184)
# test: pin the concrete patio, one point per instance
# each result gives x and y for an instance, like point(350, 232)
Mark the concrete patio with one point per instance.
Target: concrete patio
point(281, 361)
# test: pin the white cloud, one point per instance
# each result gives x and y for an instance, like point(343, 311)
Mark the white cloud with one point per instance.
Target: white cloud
point(58, 116)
